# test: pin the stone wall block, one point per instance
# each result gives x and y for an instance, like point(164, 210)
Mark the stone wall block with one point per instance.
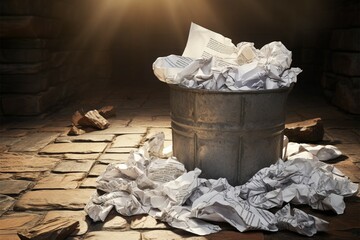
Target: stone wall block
point(349, 15)
point(347, 95)
point(59, 58)
point(56, 76)
point(25, 7)
point(28, 27)
point(346, 63)
point(23, 68)
point(27, 105)
point(20, 104)
point(346, 39)
point(26, 83)
point(24, 55)
point(28, 43)
point(328, 81)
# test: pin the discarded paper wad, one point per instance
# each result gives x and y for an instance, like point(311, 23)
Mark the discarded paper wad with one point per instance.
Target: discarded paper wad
point(230, 134)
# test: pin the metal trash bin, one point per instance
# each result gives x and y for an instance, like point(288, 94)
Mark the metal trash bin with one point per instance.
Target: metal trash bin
point(227, 134)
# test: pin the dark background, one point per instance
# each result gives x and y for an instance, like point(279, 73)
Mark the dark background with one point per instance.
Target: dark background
point(53, 50)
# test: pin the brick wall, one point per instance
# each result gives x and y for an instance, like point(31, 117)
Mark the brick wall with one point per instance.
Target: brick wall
point(42, 64)
point(341, 78)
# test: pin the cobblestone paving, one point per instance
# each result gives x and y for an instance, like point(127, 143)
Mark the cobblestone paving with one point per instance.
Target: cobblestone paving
point(45, 174)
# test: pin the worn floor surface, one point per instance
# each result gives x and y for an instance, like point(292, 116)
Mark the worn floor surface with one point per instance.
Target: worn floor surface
point(45, 174)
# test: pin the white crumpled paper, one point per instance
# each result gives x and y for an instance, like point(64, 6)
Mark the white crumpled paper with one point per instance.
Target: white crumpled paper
point(320, 152)
point(212, 61)
point(164, 189)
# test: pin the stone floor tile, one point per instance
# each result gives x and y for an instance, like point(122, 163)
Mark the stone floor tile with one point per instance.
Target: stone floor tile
point(14, 133)
point(129, 104)
point(89, 182)
point(120, 150)
point(60, 181)
point(121, 157)
point(343, 123)
point(327, 139)
point(5, 176)
point(157, 103)
point(28, 124)
point(109, 235)
point(13, 186)
point(349, 220)
point(127, 140)
point(54, 122)
point(146, 222)
point(116, 222)
point(97, 170)
point(26, 163)
point(87, 137)
point(58, 228)
point(343, 135)
point(61, 130)
point(351, 150)
point(223, 235)
point(71, 199)
point(74, 166)
point(74, 156)
point(107, 162)
point(169, 235)
point(8, 141)
point(34, 142)
point(76, 215)
point(349, 169)
point(324, 113)
point(146, 112)
point(5, 203)
point(166, 131)
point(280, 235)
point(159, 121)
point(118, 122)
point(162, 118)
point(3, 148)
point(31, 176)
point(74, 238)
point(160, 94)
point(9, 236)
point(74, 148)
point(357, 129)
point(292, 117)
point(11, 223)
point(123, 130)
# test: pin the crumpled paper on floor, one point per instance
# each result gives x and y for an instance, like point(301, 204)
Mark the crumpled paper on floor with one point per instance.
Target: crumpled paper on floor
point(211, 61)
point(147, 184)
point(319, 152)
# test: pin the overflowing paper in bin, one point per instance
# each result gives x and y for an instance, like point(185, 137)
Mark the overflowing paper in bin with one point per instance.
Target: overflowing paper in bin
point(211, 61)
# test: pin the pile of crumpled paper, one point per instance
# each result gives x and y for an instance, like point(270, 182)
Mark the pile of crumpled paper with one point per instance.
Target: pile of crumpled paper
point(162, 188)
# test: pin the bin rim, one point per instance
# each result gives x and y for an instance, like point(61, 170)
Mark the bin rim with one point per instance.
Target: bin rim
point(263, 91)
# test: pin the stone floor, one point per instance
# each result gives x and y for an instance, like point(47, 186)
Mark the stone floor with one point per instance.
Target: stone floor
point(45, 174)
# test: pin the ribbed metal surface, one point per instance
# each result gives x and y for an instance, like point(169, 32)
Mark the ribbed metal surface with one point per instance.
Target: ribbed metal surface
point(227, 134)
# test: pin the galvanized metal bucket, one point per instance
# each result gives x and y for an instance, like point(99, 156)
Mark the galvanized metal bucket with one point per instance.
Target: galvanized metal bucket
point(227, 134)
